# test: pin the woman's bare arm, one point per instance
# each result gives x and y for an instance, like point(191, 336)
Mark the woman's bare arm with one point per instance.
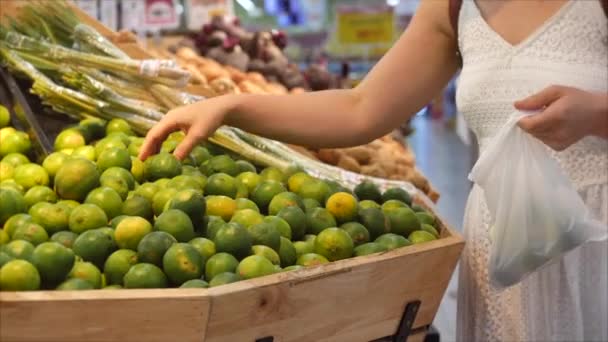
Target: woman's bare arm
point(408, 76)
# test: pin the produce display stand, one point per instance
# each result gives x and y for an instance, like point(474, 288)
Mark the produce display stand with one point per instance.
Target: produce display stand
point(390, 296)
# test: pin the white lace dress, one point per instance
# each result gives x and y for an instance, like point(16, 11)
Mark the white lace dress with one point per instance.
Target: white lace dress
point(568, 300)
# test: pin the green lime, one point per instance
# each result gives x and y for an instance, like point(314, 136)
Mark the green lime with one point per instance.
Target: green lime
point(108, 143)
point(392, 241)
point(334, 244)
point(86, 152)
point(162, 165)
point(182, 262)
point(365, 204)
point(96, 127)
point(54, 262)
point(403, 221)
point(343, 206)
point(369, 248)
point(161, 198)
point(310, 204)
point(65, 238)
point(205, 247)
point(214, 223)
point(265, 234)
point(176, 223)
point(287, 253)
point(254, 266)
point(69, 139)
point(4, 238)
point(39, 193)
point(281, 225)
point(221, 184)
point(137, 169)
point(76, 178)
point(249, 179)
point(295, 182)
point(318, 220)
point(357, 232)
point(397, 194)
point(272, 174)
point(220, 164)
point(7, 171)
point(430, 229)
point(392, 204)
point(118, 264)
point(426, 218)
point(4, 258)
point(282, 200)
point(118, 126)
point(145, 276)
point(147, 190)
point(245, 166)
point(199, 155)
point(266, 252)
point(186, 182)
point(367, 190)
point(5, 117)
point(19, 275)
point(153, 246)
point(11, 203)
point(192, 203)
point(247, 217)
point(375, 221)
point(311, 259)
point(137, 205)
point(75, 284)
point(234, 239)
point(220, 263)
point(221, 206)
point(30, 175)
point(130, 231)
point(121, 173)
point(314, 189)
point(15, 159)
point(195, 283)
point(19, 249)
point(265, 192)
point(114, 157)
point(86, 271)
point(15, 222)
point(31, 232)
point(296, 218)
point(94, 246)
point(224, 278)
point(107, 199)
point(421, 236)
point(293, 268)
point(86, 217)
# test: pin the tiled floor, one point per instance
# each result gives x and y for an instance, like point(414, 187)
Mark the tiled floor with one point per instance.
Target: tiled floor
point(446, 162)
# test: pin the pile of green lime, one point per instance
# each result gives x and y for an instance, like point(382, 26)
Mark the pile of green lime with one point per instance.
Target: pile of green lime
point(92, 215)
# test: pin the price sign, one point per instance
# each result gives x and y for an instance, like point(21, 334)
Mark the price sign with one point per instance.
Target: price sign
point(200, 12)
point(161, 14)
point(365, 26)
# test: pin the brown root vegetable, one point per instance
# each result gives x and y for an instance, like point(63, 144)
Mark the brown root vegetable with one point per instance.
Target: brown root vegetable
point(297, 90)
point(362, 154)
point(329, 156)
point(224, 85)
point(196, 76)
point(237, 75)
point(373, 170)
point(276, 89)
point(249, 87)
point(213, 72)
point(256, 77)
point(187, 53)
point(349, 163)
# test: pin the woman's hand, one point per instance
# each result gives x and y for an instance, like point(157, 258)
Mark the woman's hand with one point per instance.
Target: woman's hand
point(566, 115)
point(197, 120)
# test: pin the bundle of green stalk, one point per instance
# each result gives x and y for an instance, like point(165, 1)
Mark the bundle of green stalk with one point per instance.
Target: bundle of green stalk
point(54, 21)
point(108, 84)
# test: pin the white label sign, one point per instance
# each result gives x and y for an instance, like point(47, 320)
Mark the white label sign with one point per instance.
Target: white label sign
point(200, 12)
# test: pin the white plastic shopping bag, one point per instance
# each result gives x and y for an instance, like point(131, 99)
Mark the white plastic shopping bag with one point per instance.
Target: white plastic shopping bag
point(537, 213)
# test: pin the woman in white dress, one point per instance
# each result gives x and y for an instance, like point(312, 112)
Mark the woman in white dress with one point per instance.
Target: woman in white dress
point(547, 56)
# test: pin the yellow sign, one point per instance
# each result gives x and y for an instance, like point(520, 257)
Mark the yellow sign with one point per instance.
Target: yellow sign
point(366, 27)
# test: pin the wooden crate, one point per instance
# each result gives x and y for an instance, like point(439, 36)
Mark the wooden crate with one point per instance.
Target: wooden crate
point(359, 299)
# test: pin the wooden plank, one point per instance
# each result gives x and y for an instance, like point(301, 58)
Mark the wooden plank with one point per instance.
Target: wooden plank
point(104, 316)
point(358, 299)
